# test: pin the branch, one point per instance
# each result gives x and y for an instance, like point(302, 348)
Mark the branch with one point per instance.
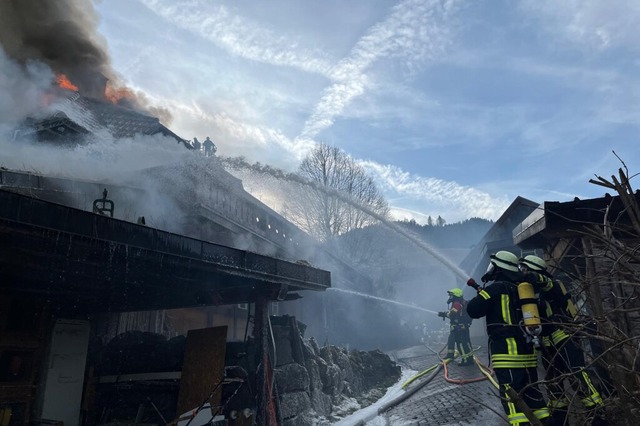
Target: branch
point(522, 406)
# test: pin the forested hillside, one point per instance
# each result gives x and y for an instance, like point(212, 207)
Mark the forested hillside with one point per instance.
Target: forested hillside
point(463, 234)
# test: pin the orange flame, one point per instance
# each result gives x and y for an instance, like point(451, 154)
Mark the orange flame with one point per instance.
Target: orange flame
point(64, 83)
point(117, 95)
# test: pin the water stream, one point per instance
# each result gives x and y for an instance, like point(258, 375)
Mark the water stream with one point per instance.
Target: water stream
point(292, 177)
point(382, 299)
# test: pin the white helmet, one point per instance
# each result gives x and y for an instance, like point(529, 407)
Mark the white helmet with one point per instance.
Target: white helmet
point(534, 263)
point(502, 260)
point(505, 260)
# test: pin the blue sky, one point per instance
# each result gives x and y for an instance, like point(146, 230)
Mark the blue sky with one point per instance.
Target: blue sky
point(456, 107)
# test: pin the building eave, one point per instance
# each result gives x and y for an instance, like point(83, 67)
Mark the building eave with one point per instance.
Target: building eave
point(94, 263)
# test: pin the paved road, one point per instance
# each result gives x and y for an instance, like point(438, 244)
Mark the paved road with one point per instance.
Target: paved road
point(440, 402)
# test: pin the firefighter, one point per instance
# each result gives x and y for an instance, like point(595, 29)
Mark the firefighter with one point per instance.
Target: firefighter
point(209, 147)
point(459, 323)
point(562, 356)
point(512, 354)
point(196, 144)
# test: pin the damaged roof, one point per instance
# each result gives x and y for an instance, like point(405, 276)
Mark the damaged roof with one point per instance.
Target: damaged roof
point(75, 115)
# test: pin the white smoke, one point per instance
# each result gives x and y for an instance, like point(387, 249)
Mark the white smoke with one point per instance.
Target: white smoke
point(22, 89)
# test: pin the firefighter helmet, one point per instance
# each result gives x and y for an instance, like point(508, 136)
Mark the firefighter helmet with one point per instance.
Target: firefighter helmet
point(505, 260)
point(533, 262)
point(455, 292)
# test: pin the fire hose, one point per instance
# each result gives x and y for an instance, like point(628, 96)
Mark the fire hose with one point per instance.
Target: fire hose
point(397, 400)
point(430, 374)
point(531, 325)
point(486, 371)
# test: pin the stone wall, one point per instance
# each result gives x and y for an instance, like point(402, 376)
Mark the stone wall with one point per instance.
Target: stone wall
point(312, 382)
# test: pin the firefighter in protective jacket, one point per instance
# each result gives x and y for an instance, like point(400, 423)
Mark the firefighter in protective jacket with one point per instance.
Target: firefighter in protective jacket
point(562, 356)
point(513, 357)
point(459, 321)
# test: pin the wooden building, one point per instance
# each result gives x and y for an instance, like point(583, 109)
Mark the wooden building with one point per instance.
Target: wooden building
point(60, 268)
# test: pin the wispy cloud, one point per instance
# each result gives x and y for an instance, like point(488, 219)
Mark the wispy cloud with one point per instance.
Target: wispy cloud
point(595, 24)
point(240, 36)
point(456, 202)
point(240, 138)
point(414, 31)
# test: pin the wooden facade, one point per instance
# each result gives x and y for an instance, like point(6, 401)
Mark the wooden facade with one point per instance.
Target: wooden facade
point(593, 246)
point(57, 262)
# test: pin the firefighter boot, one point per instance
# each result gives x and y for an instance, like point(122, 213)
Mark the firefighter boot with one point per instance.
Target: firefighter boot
point(451, 355)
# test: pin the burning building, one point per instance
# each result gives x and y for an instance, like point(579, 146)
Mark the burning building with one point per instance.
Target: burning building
point(59, 42)
point(74, 275)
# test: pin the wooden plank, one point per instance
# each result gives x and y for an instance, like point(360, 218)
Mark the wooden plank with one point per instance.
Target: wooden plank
point(169, 375)
point(16, 393)
point(203, 368)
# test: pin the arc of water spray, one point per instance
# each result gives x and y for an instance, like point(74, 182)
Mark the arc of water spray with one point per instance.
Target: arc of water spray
point(279, 174)
point(382, 299)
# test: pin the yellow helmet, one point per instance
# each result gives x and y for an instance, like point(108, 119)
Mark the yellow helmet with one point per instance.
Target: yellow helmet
point(455, 292)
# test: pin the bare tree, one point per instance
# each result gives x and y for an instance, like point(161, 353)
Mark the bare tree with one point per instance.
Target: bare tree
point(344, 197)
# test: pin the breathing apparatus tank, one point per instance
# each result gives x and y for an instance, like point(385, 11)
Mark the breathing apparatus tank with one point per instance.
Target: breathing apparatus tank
point(530, 314)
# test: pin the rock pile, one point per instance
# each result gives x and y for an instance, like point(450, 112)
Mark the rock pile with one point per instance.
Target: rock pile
point(320, 385)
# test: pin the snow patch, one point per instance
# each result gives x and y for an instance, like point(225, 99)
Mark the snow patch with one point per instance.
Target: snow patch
point(369, 415)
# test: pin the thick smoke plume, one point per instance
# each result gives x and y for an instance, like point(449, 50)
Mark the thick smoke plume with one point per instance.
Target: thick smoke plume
point(63, 35)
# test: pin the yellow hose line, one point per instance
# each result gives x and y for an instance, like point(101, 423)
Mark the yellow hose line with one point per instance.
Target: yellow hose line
point(485, 370)
point(417, 376)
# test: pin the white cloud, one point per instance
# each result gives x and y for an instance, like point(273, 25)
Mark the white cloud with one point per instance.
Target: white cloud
point(235, 136)
point(595, 24)
point(414, 31)
point(240, 36)
point(448, 199)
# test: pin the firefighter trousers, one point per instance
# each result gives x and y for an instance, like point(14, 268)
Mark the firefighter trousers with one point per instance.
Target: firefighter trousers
point(522, 381)
point(459, 336)
point(564, 361)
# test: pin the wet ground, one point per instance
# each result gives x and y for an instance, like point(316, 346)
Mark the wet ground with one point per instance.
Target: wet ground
point(454, 399)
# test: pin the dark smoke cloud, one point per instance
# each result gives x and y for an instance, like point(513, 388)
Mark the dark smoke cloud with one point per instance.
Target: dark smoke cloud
point(63, 34)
